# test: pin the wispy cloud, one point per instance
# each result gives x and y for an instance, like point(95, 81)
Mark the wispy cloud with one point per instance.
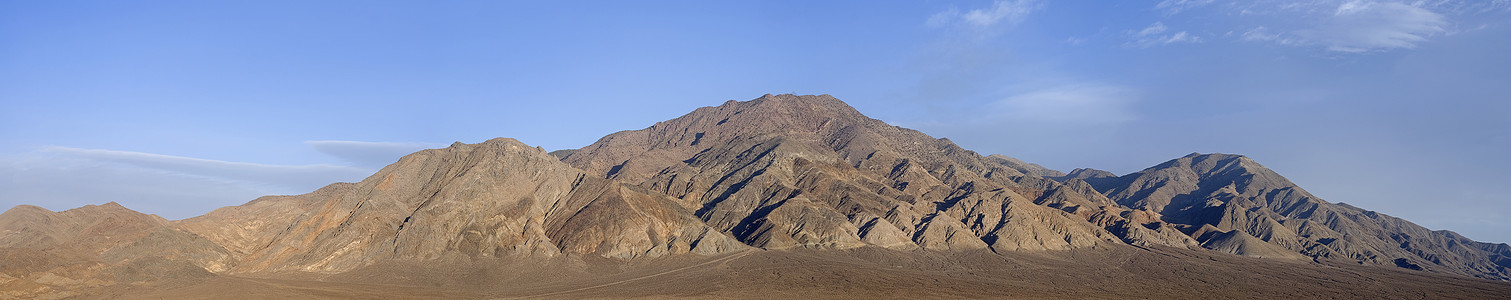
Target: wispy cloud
point(967, 58)
point(1262, 34)
point(1334, 26)
point(1004, 12)
point(1154, 35)
point(177, 186)
point(1176, 6)
point(1059, 117)
point(1361, 26)
point(1084, 103)
point(60, 182)
point(370, 154)
point(303, 176)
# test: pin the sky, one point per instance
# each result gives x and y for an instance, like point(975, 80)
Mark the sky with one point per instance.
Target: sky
point(176, 108)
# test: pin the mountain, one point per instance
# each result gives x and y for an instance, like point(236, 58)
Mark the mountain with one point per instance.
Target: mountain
point(50, 254)
point(1085, 174)
point(1217, 196)
point(783, 192)
point(787, 171)
point(499, 198)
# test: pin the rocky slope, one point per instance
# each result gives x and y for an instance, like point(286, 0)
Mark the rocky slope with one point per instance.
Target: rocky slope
point(499, 198)
point(786, 171)
point(49, 255)
point(1225, 200)
point(805, 173)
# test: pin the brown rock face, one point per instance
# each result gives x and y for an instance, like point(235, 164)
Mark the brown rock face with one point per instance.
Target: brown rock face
point(46, 254)
point(247, 228)
point(88, 229)
point(809, 171)
point(1232, 194)
point(1024, 167)
point(495, 199)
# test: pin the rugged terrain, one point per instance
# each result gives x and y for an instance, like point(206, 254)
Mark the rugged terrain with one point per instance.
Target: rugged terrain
point(1232, 204)
point(801, 194)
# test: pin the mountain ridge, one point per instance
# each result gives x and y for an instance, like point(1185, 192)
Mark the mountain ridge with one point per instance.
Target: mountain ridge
point(775, 173)
point(1226, 192)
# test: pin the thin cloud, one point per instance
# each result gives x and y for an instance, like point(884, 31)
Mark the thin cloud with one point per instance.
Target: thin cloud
point(1067, 121)
point(60, 182)
point(1153, 29)
point(370, 154)
point(1362, 26)
point(1007, 12)
point(283, 177)
point(1176, 6)
point(1154, 36)
point(1087, 103)
point(1264, 35)
point(61, 178)
point(965, 59)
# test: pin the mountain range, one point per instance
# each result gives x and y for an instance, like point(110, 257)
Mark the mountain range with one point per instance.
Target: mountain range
point(799, 192)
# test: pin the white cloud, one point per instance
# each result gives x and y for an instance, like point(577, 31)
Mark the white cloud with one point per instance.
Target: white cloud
point(1009, 12)
point(1154, 36)
point(1259, 34)
point(1263, 34)
point(1153, 29)
point(1087, 103)
point(1356, 26)
point(1176, 6)
point(369, 154)
point(1180, 37)
point(1466, 7)
point(1362, 26)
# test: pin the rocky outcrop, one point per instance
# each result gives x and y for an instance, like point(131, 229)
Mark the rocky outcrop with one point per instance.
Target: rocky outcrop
point(1085, 174)
point(90, 229)
point(1232, 194)
point(1024, 167)
point(46, 254)
point(246, 228)
point(1241, 243)
point(499, 198)
point(739, 163)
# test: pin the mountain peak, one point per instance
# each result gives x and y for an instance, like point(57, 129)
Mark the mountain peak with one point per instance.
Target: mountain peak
point(1217, 156)
point(1211, 164)
point(1021, 166)
point(1085, 174)
point(1267, 214)
point(787, 116)
point(26, 209)
point(795, 97)
point(1214, 155)
point(790, 106)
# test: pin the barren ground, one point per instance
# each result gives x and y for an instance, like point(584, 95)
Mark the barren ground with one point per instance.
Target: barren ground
point(866, 273)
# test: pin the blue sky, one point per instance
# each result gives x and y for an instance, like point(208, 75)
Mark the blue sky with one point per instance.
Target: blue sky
point(176, 108)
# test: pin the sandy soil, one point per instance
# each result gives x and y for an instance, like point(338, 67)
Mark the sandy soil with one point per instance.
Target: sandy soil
point(865, 273)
